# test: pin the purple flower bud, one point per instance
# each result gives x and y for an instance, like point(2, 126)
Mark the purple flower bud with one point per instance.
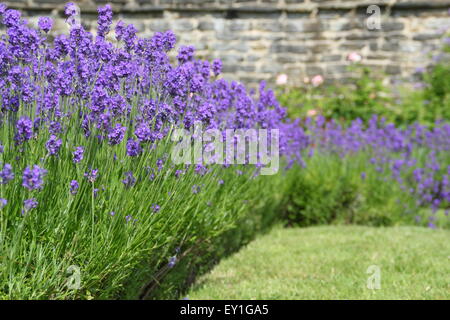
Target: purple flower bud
point(74, 186)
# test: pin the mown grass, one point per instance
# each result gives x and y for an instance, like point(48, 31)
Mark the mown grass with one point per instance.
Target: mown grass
point(331, 262)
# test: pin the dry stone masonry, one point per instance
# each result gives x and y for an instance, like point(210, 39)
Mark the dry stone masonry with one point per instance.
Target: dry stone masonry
point(260, 39)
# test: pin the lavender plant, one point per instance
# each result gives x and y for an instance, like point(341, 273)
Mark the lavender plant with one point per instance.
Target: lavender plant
point(86, 178)
point(379, 174)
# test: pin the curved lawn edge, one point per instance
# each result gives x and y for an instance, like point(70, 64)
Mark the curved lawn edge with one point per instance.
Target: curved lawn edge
point(332, 262)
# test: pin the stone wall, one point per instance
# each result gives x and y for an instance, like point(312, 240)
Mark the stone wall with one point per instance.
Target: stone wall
point(260, 39)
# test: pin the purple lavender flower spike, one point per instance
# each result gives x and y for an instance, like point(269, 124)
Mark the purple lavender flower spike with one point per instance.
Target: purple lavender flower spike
point(116, 134)
point(74, 186)
point(129, 180)
point(53, 145)
point(6, 174)
point(3, 203)
point(24, 127)
point(133, 148)
point(91, 175)
point(33, 178)
point(78, 154)
point(105, 16)
point(155, 208)
point(45, 24)
point(29, 204)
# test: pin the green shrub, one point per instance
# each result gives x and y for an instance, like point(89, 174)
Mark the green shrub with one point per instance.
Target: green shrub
point(361, 99)
point(334, 190)
point(426, 102)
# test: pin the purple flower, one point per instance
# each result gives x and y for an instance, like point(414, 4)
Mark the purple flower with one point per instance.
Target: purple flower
point(116, 134)
point(55, 127)
point(129, 180)
point(155, 208)
point(11, 18)
point(195, 189)
point(92, 175)
point(120, 30)
point(33, 178)
point(74, 186)
point(53, 144)
point(169, 40)
point(431, 225)
point(78, 154)
point(45, 24)
point(143, 133)
point(3, 203)
point(420, 70)
point(6, 174)
point(133, 148)
point(29, 204)
point(70, 9)
point(172, 262)
point(185, 53)
point(178, 173)
point(2, 8)
point(105, 16)
point(217, 67)
point(24, 127)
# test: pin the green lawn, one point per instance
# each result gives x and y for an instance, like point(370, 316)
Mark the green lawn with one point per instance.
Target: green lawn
point(331, 263)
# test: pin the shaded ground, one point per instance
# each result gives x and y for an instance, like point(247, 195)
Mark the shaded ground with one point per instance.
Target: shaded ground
point(332, 262)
